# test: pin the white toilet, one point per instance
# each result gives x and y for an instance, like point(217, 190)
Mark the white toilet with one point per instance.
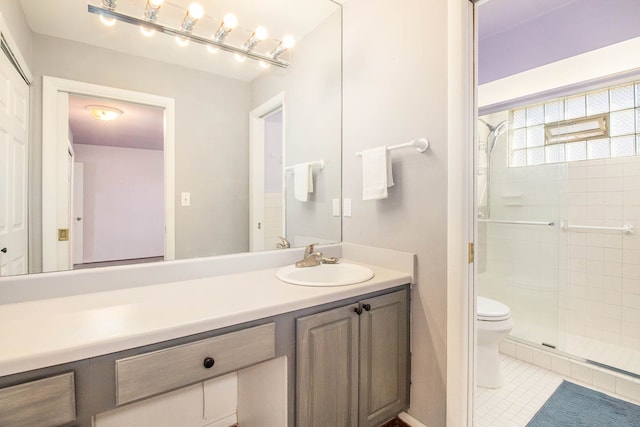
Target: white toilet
point(493, 323)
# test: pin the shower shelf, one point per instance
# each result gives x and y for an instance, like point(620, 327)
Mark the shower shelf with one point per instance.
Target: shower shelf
point(627, 228)
point(509, 221)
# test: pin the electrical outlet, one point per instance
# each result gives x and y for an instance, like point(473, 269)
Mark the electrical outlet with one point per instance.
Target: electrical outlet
point(185, 198)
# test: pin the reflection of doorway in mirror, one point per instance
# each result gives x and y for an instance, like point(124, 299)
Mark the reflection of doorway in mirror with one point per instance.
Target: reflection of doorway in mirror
point(58, 128)
point(14, 113)
point(273, 196)
point(120, 219)
point(266, 174)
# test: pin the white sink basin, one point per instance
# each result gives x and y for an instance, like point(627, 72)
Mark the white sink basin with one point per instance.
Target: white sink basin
point(340, 274)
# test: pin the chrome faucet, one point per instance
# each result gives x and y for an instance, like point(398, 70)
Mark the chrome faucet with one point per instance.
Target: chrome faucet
point(313, 258)
point(283, 243)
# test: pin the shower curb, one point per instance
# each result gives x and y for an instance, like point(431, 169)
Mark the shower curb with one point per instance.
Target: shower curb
point(586, 373)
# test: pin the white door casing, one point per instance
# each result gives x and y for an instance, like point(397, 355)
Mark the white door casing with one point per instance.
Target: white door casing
point(14, 131)
point(257, 170)
point(55, 121)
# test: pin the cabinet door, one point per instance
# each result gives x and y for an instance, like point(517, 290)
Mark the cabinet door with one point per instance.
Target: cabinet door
point(384, 358)
point(327, 369)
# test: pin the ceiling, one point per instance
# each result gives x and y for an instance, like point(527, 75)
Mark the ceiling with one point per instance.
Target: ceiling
point(140, 126)
point(519, 35)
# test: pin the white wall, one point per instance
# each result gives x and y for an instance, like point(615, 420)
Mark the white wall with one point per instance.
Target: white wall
point(395, 90)
point(18, 27)
point(123, 202)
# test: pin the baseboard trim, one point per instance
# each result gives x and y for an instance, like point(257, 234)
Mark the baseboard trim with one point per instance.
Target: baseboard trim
point(410, 420)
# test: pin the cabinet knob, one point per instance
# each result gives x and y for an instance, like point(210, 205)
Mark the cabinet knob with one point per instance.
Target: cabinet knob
point(366, 306)
point(3, 250)
point(358, 310)
point(208, 362)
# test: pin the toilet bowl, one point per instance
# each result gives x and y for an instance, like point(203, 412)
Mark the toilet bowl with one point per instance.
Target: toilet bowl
point(493, 323)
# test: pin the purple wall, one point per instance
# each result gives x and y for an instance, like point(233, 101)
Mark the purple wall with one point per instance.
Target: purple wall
point(516, 36)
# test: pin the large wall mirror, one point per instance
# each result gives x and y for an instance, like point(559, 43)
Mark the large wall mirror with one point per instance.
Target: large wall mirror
point(211, 151)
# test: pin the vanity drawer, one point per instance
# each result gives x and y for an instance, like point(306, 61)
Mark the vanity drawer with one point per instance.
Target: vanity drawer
point(43, 403)
point(160, 371)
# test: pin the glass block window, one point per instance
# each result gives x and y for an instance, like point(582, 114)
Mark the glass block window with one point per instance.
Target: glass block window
point(533, 131)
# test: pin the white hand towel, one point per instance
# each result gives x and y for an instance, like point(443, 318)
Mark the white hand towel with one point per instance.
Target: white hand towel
point(376, 173)
point(303, 181)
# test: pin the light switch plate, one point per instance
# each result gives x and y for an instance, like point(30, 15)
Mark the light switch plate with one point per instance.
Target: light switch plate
point(185, 198)
point(347, 207)
point(336, 207)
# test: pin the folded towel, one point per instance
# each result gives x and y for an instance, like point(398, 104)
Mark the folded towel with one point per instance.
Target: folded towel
point(303, 181)
point(376, 173)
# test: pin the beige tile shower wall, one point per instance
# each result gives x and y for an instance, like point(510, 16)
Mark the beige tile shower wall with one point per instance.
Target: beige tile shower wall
point(603, 281)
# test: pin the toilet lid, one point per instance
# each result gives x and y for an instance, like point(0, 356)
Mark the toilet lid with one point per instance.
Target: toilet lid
point(489, 309)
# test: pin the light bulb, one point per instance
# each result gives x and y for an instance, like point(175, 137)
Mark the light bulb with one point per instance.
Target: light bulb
point(156, 3)
point(146, 31)
point(288, 42)
point(109, 22)
point(212, 49)
point(261, 33)
point(181, 41)
point(196, 11)
point(264, 64)
point(240, 58)
point(230, 21)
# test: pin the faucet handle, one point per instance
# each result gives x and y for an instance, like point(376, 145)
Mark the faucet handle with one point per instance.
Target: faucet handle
point(309, 250)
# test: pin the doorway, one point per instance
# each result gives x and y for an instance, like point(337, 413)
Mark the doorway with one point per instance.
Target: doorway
point(267, 203)
point(56, 208)
point(117, 213)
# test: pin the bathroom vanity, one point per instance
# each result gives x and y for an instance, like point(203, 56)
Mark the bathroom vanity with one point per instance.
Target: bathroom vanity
point(68, 358)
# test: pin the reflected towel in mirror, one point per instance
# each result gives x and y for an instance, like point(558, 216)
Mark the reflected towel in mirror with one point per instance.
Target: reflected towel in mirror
point(303, 181)
point(376, 173)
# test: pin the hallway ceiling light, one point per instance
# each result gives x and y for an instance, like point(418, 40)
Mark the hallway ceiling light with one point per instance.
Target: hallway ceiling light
point(147, 20)
point(102, 112)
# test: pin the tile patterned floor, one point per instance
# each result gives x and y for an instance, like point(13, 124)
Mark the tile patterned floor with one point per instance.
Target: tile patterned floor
point(526, 388)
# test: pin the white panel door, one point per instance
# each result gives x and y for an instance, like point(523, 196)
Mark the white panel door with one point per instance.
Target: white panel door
point(14, 113)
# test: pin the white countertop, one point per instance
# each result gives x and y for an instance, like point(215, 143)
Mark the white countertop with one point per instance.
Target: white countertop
point(48, 332)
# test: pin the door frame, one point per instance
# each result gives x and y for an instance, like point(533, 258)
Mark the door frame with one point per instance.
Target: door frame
point(461, 229)
point(257, 118)
point(55, 123)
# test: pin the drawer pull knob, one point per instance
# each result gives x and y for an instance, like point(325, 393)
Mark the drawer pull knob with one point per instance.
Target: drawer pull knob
point(366, 306)
point(358, 310)
point(208, 362)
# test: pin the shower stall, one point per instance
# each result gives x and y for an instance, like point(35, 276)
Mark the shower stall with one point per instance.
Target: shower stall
point(558, 190)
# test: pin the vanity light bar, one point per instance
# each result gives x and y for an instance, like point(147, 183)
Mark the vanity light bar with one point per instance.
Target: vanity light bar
point(108, 13)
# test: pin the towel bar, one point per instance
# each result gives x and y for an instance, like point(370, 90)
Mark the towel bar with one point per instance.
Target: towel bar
point(420, 144)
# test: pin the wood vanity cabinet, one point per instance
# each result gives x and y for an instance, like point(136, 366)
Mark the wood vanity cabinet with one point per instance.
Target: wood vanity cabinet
point(353, 363)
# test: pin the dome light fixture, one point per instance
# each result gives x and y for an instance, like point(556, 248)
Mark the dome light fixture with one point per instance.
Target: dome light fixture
point(103, 112)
